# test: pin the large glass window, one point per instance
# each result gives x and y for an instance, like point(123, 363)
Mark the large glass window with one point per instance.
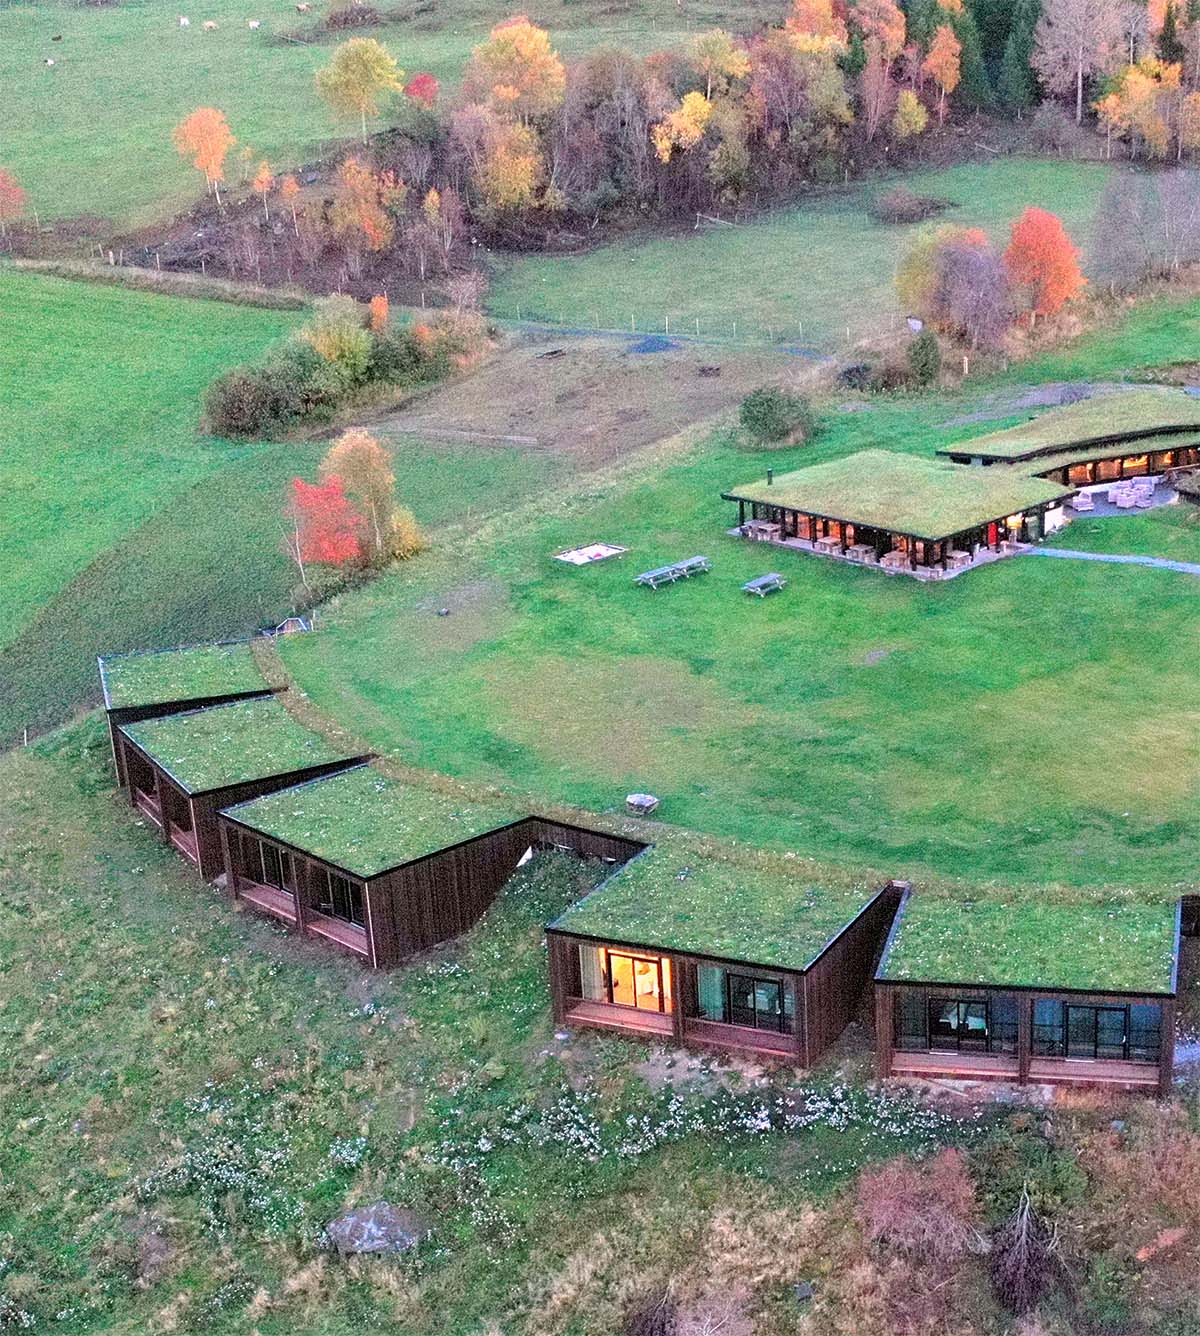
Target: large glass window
point(973, 1025)
point(625, 979)
point(910, 1021)
point(734, 998)
point(342, 899)
point(1114, 1033)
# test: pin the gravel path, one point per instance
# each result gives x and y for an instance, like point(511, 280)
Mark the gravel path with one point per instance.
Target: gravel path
point(1121, 558)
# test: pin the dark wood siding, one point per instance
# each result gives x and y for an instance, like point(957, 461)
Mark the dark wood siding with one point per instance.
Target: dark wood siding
point(835, 983)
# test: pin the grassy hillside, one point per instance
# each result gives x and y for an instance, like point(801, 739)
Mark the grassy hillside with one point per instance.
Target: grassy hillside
point(980, 728)
point(803, 275)
point(120, 526)
point(136, 57)
point(190, 1095)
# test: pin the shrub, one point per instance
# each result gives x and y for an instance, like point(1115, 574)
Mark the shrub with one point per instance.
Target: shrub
point(772, 415)
point(408, 538)
point(924, 358)
point(395, 356)
point(1021, 1260)
point(1053, 130)
point(924, 1211)
point(251, 402)
point(1188, 487)
point(893, 373)
point(353, 15)
point(318, 385)
point(338, 332)
point(902, 205)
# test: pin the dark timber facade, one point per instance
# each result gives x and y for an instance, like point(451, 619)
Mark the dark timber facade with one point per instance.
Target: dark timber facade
point(643, 990)
point(401, 911)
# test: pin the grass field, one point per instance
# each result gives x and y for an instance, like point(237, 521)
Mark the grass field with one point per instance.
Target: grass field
point(120, 527)
point(981, 728)
point(805, 275)
point(134, 56)
point(180, 1123)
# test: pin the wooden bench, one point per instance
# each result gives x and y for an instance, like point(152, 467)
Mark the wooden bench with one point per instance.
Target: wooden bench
point(764, 585)
point(678, 570)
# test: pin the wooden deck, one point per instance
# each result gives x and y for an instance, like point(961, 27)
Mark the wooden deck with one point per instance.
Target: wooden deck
point(740, 1039)
point(269, 899)
point(147, 804)
point(185, 842)
point(347, 935)
point(1042, 1071)
point(628, 1020)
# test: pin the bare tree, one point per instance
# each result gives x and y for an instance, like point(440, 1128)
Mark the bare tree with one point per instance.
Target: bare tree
point(1022, 1258)
point(1135, 28)
point(972, 293)
point(1074, 40)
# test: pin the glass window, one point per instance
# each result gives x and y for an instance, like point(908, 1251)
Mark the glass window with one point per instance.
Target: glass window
point(591, 974)
point(638, 981)
point(710, 992)
point(272, 865)
point(958, 1023)
point(1048, 1028)
point(909, 1021)
point(755, 1002)
point(1002, 1024)
point(343, 900)
point(1145, 1031)
point(943, 1023)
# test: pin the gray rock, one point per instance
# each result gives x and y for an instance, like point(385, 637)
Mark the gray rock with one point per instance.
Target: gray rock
point(1117, 1124)
point(382, 1228)
point(803, 1291)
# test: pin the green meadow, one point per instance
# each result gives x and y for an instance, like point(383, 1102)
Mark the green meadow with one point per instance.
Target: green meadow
point(1029, 722)
point(819, 275)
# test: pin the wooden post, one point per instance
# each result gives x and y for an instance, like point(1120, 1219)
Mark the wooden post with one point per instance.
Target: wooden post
point(300, 869)
point(883, 1031)
point(1024, 1036)
point(680, 986)
point(800, 1018)
point(1166, 1057)
point(231, 872)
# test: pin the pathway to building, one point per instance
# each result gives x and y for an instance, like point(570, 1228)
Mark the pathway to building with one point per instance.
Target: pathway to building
point(1122, 558)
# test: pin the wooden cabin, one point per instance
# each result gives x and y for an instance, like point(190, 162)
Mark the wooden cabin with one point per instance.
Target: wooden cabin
point(694, 950)
point(149, 684)
point(1031, 991)
point(900, 512)
point(383, 869)
point(182, 769)
point(1137, 434)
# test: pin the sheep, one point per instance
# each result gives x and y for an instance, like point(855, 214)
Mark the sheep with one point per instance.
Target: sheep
point(253, 24)
point(49, 60)
point(303, 8)
point(210, 25)
point(184, 21)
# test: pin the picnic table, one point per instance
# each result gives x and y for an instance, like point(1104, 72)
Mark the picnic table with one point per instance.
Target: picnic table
point(863, 552)
point(894, 559)
point(828, 544)
point(956, 557)
point(677, 570)
point(765, 584)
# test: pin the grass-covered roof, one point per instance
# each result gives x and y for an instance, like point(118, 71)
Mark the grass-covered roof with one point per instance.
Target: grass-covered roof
point(231, 744)
point(928, 498)
point(757, 910)
point(1081, 423)
point(158, 677)
point(1082, 453)
point(365, 823)
point(1099, 947)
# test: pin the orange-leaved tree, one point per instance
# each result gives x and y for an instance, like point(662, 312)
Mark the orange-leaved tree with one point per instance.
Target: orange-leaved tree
point(377, 313)
point(264, 183)
point(682, 128)
point(1043, 259)
point(360, 75)
point(12, 200)
point(942, 64)
point(363, 467)
point(361, 211)
point(516, 71)
point(816, 20)
point(289, 188)
point(206, 138)
point(325, 528)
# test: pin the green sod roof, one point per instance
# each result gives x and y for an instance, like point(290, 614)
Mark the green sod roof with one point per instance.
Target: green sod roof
point(1113, 947)
point(927, 498)
point(159, 677)
point(1082, 423)
point(1082, 453)
point(231, 744)
point(675, 899)
point(365, 823)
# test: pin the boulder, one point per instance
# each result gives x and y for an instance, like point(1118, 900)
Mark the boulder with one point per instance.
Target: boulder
point(381, 1228)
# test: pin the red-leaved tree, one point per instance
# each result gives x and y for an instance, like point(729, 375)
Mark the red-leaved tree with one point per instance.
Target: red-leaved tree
point(326, 529)
point(1042, 259)
point(12, 200)
point(422, 88)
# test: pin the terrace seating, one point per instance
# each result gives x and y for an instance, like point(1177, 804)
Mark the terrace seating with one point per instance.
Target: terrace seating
point(679, 570)
point(764, 585)
point(1082, 502)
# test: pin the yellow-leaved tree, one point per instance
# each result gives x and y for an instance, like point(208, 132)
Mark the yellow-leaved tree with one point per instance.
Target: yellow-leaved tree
point(360, 75)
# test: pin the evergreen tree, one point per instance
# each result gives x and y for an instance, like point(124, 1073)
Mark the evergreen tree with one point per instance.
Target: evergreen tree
point(974, 88)
point(1170, 48)
point(993, 18)
point(923, 18)
point(1017, 85)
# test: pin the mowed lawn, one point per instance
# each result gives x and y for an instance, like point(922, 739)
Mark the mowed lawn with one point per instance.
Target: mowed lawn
point(120, 526)
point(820, 275)
point(125, 75)
point(1032, 722)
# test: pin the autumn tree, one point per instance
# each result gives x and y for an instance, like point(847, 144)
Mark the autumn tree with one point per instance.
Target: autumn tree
point(516, 71)
point(1075, 39)
point(1042, 259)
point(816, 19)
point(324, 526)
point(942, 65)
point(377, 313)
point(797, 100)
point(910, 117)
point(358, 78)
point(264, 183)
point(971, 294)
point(719, 61)
point(880, 24)
point(12, 200)
point(682, 128)
point(361, 212)
point(363, 468)
point(289, 189)
point(206, 138)
point(422, 88)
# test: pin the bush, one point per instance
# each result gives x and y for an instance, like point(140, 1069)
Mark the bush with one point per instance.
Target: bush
point(892, 374)
point(926, 1211)
point(352, 16)
point(901, 205)
point(1188, 487)
point(772, 415)
point(251, 402)
point(924, 358)
point(395, 356)
point(318, 385)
